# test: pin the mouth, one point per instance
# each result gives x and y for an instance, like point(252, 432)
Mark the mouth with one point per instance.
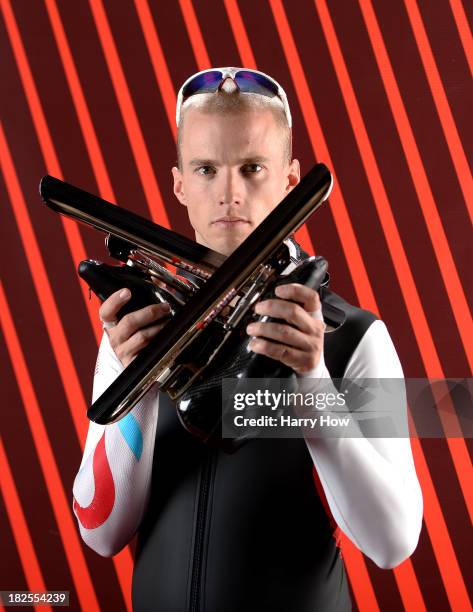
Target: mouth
point(229, 221)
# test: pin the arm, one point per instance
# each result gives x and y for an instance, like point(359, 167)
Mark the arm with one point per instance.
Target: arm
point(370, 483)
point(111, 489)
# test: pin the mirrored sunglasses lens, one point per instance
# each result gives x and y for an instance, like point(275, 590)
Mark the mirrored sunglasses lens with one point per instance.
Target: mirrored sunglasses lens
point(252, 82)
point(203, 83)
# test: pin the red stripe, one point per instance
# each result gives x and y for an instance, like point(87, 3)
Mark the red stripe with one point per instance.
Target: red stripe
point(158, 61)
point(195, 34)
point(44, 137)
point(409, 589)
point(130, 118)
point(239, 33)
point(463, 30)
point(59, 501)
point(21, 533)
point(441, 103)
point(438, 533)
point(90, 137)
point(360, 580)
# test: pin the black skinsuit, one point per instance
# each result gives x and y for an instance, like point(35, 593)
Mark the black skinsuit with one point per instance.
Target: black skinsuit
point(242, 532)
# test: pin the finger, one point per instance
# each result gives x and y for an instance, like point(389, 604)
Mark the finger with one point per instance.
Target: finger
point(306, 296)
point(134, 321)
point(128, 350)
point(294, 314)
point(108, 310)
point(285, 334)
point(298, 360)
point(318, 315)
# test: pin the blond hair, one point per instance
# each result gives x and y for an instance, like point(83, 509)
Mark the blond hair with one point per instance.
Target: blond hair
point(224, 102)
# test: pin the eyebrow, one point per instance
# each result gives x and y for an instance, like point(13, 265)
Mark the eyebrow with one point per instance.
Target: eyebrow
point(211, 162)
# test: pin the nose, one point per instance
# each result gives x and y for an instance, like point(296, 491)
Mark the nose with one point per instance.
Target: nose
point(231, 188)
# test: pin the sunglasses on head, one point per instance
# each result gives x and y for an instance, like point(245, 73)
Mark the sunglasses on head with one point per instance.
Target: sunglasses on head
point(247, 81)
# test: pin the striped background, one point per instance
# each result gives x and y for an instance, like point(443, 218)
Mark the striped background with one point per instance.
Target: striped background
point(380, 91)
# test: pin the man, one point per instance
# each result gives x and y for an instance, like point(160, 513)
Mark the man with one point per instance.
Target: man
point(247, 531)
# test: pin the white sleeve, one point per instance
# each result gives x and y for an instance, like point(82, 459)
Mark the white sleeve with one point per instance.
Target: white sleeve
point(371, 483)
point(111, 489)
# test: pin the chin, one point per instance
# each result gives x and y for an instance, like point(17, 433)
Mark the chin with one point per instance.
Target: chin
point(226, 247)
point(228, 243)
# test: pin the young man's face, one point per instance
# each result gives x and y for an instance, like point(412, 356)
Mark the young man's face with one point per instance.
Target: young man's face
point(234, 173)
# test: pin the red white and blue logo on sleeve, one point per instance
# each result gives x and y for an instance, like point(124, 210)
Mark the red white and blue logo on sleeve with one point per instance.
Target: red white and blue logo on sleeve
point(101, 506)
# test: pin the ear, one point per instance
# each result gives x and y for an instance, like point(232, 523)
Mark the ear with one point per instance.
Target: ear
point(178, 185)
point(293, 175)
